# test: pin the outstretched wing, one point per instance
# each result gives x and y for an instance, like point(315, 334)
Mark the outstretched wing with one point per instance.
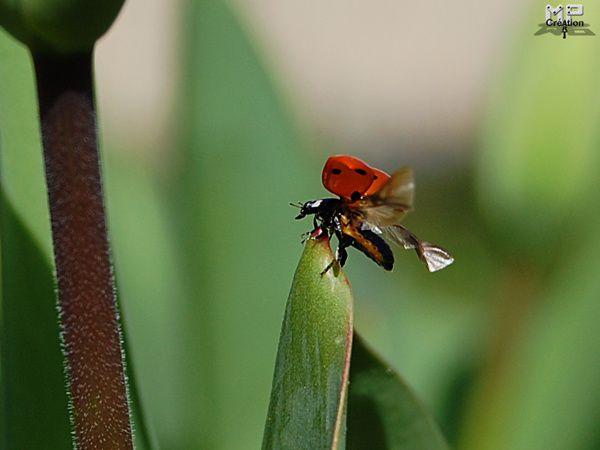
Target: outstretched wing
point(389, 205)
point(383, 211)
point(434, 257)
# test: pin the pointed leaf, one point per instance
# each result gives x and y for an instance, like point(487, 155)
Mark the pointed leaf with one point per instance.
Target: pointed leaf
point(308, 398)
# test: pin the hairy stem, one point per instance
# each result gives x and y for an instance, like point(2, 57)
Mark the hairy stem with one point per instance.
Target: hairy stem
point(86, 293)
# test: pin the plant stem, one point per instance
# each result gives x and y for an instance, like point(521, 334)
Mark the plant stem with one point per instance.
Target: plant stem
point(86, 291)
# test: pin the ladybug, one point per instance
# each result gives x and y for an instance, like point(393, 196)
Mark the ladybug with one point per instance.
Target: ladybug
point(369, 208)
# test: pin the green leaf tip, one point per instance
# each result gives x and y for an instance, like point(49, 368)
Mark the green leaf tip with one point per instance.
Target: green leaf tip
point(58, 26)
point(308, 397)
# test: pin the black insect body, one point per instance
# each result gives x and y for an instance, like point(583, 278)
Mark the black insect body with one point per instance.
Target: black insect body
point(362, 220)
point(335, 218)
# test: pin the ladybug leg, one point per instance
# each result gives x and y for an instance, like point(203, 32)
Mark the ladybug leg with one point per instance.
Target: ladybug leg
point(329, 266)
point(341, 255)
point(343, 241)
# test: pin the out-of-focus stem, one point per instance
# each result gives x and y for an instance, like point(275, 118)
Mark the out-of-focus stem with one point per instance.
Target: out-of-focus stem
point(86, 293)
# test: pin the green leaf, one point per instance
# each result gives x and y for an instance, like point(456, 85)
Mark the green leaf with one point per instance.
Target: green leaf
point(60, 26)
point(34, 399)
point(383, 413)
point(308, 398)
point(21, 163)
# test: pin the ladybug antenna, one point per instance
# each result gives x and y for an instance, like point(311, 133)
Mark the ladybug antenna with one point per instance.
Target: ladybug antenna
point(297, 205)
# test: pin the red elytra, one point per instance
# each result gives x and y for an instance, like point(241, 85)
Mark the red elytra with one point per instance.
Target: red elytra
point(349, 177)
point(380, 179)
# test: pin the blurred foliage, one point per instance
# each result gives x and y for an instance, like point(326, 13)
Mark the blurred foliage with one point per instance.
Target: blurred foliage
point(502, 345)
point(539, 156)
point(34, 399)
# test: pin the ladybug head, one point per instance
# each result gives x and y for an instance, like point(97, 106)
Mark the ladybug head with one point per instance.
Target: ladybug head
point(308, 208)
point(323, 208)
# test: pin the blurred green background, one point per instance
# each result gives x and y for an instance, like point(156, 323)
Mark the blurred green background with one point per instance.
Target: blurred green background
point(215, 115)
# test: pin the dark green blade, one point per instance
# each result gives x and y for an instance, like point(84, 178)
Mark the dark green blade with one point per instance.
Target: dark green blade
point(34, 399)
point(383, 413)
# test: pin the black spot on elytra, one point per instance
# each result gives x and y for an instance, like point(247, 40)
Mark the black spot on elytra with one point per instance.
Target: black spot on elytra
point(336, 171)
point(360, 171)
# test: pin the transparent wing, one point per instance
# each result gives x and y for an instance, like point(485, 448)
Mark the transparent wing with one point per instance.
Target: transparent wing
point(434, 257)
point(390, 204)
point(399, 190)
point(383, 211)
point(401, 237)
